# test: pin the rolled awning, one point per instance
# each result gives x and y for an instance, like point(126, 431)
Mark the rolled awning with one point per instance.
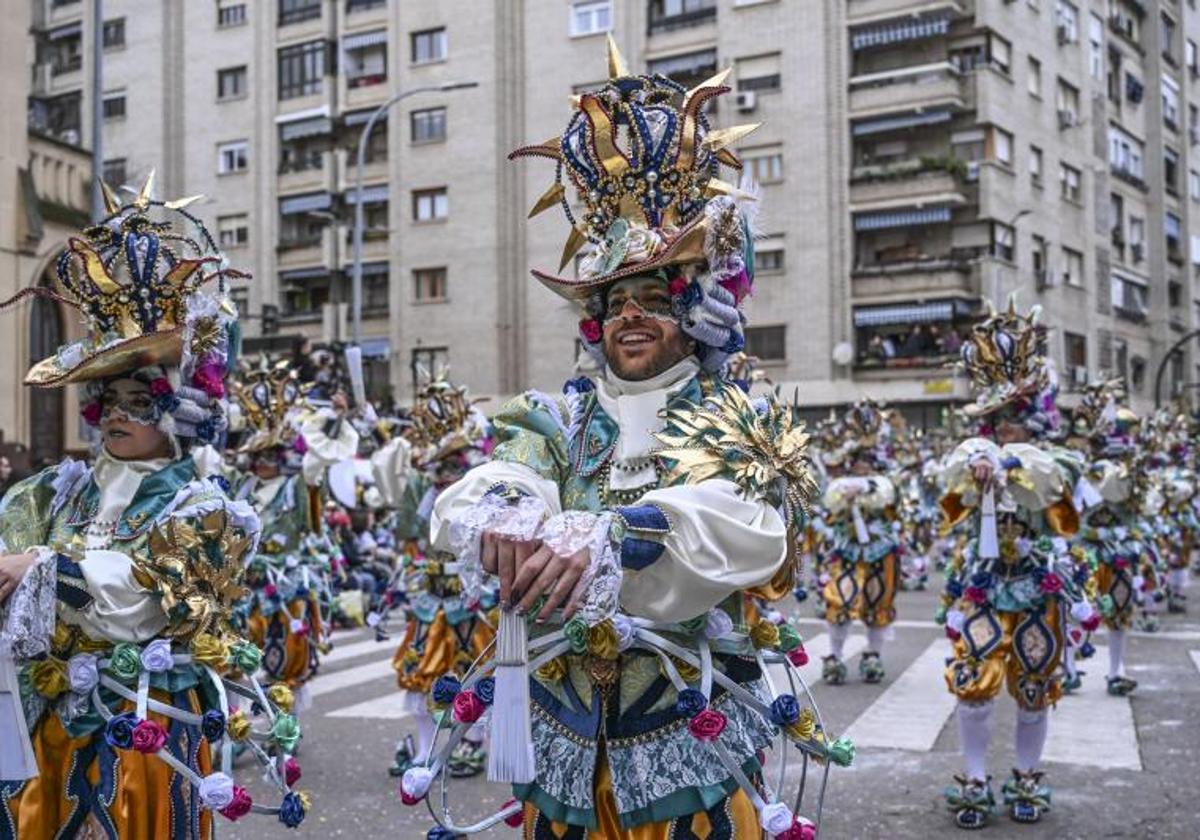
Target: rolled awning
point(311, 127)
point(69, 31)
point(369, 268)
point(914, 313)
point(364, 39)
point(371, 195)
point(895, 33)
point(379, 347)
point(879, 126)
point(301, 274)
point(305, 203)
point(902, 218)
point(360, 117)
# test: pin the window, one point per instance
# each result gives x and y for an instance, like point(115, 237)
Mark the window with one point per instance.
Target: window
point(769, 259)
point(667, 15)
point(295, 11)
point(1040, 255)
point(231, 83)
point(1069, 181)
point(1168, 38)
point(429, 125)
point(1193, 125)
point(1191, 57)
point(1116, 218)
point(429, 284)
point(1096, 47)
point(230, 13)
point(765, 166)
point(767, 344)
point(1137, 239)
point(233, 231)
point(375, 217)
point(688, 69)
point(1035, 165)
point(999, 53)
point(1074, 350)
point(1129, 296)
point(305, 293)
point(303, 143)
point(240, 296)
point(1125, 155)
point(1067, 104)
point(1170, 103)
point(301, 69)
point(1002, 145)
point(760, 74)
point(114, 106)
point(375, 287)
point(1171, 171)
point(1066, 19)
point(1035, 77)
point(365, 58)
point(62, 49)
point(233, 157)
point(57, 116)
point(115, 173)
point(299, 226)
point(430, 205)
point(1004, 242)
point(429, 45)
point(1072, 267)
point(591, 17)
point(431, 360)
point(1172, 228)
point(1194, 185)
point(114, 33)
point(362, 5)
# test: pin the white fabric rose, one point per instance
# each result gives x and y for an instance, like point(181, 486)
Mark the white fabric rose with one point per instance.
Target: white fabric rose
point(717, 624)
point(775, 818)
point(1081, 610)
point(416, 781)
point(955, 619)
point(82, 673)
point(216, 791)
point(297, 625)
point(625, 631)
point(157, 658)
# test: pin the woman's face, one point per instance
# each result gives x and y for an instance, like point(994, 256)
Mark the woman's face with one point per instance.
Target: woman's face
point(127, 427)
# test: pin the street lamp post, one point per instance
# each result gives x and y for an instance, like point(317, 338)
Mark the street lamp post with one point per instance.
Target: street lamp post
point(363, 139)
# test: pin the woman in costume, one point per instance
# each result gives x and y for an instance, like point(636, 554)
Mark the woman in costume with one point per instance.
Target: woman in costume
point(1014, 585)
point(858, 564)
point(118, 579)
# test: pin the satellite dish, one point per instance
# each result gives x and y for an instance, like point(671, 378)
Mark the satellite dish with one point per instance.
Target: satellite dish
point(843, 353)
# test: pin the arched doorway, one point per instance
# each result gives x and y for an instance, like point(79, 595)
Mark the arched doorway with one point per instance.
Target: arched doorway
point(45, 404)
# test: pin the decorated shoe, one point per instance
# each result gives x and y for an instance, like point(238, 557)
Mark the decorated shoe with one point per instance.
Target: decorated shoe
point(1026, 797)
point(870, 667)
point(405, 755)
point(1147, 623)
point(972, 802)
point(467, 759)
point(1176, 602)
point(833, 670)
point(1121, 686)
point(1072, 683)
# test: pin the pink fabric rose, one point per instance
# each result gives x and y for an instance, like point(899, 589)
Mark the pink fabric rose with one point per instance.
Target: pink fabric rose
point(149, 736)
point(1051, 584)
point(798, 656)
point(468, 708)
point(952, 634)
point(515, 819)
point(239, 807)
point(739, 285)
point(210, 378)
point(161, 387)
point(678, 284)
point(1091, 623)
point(707, 725)
point(92, 412)
point(291, 771)
point(976, 595)
point(591, 330)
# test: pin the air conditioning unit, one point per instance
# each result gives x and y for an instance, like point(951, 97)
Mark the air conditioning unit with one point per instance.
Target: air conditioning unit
point(1063, 34)
point(1079, 375)
point(1044, 279)
point(1137, 252)
point(1066, 119)
point(747, 101)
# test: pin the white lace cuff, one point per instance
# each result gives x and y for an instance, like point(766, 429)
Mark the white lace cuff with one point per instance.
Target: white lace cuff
point(599, 588)
point(517, 520)
point(27, 620)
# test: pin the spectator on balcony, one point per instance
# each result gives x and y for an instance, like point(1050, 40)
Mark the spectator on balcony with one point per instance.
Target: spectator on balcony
point(920, 342)
point(951, 342)
point(6, 475)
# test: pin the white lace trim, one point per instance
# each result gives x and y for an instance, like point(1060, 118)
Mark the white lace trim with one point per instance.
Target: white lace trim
point(27, 620)
point(599, 588)
point(491, 513)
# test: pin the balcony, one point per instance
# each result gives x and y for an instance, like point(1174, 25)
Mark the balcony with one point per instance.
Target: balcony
point(353, 6)
point(70, 65)
point(873, 11)
point(307, 250)
point(907, 182)
point(699, 14)
point(913, 333)
point(61, 175)
point(920, 275)
point(305, 171)
point(907, 88)
point(298, 12)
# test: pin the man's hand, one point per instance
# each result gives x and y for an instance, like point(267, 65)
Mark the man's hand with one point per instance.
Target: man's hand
point(12, 571)
point(983, 472)
point(339, 403)
point(502, 556)
point(553, 575)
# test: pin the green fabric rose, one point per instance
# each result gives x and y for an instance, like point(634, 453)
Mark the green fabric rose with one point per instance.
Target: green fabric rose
point(789, 639)
point(286, 732)
point(126, 662)
point(245, 657)
point(694, 626)
point(576, 632)
point(841, 752)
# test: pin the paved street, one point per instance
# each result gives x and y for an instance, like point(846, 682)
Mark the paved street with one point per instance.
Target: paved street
point(1119, 767)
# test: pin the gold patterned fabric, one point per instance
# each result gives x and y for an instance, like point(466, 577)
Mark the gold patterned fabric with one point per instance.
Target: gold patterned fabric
point(1021, 650)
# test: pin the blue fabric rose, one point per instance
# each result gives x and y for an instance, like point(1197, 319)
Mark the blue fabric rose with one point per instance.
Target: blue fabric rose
point(206, 430)
point(954, 588)
point(213, 725)
point(690, 703)
point(222, 482)
point(441, 833)
point(1086, 650)
point(118, 732)
point(446, 689)
point(1012, 462)
point(735, 344)
point(485, 690)
point(982, 580)
point(291, 810)
point(785, 710)
point(800, 594)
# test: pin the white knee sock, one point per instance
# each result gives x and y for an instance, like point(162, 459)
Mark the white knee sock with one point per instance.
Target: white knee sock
point(974, 734)
point(837, 638)
point(1031, 738)
point(1116, 653)
point(1069, 661)
point(425, 731)
point(1177, 580)
point(875, 638)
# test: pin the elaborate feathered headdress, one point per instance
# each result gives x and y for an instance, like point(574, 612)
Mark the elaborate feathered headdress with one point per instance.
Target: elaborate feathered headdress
point(1110, 429)
point(444, 421)
point(268, 396)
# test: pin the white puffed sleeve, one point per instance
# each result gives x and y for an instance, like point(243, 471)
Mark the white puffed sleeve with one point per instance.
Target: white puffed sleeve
point(875, 492)
point(465, 493)
point(1040, 480)
point(122, 610)
point(325, 450)
point(719, 543)
point(390, 468)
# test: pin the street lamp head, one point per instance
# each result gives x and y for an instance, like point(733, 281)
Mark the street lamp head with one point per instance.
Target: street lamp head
point(457, 85)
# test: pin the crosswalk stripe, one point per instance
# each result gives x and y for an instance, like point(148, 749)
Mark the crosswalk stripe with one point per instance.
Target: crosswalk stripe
point(350, 651)
point(348, 677)
point(1090, 727)
point(392, 706)
point(1195, 654)
point(910, 714)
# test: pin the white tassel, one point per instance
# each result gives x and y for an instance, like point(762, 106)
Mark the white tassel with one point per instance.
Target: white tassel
point(17, 759)
point(860, 527)
point(510, 754)
point(989, 544)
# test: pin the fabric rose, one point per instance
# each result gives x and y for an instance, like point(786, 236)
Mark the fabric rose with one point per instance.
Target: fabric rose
point(92, 412)
point(118, 731)
point(1091, 623)
point(517, 817)
point(238, 726)
point(775, 818)
point(291, 771)
point(738, 285)
point(841, 752)
point(213, 725)
point(625, 631)
point(414, 784)
point(281, 696)
point(156, 656)
point(804, 727)
point(1081, 611)
point(83, 673)
point(49, 677)
point(977, 595)
point(677, 285)
point(161, 387)
point(801, 829)
point(439, 832)
point(239, 805)
point(293, 809)
point(591, 330)
point(246, 657)
point(688, 673)
point(785, 710)
point(285, 732)
point(209, 650)
point(602, 641)
point(576, 633)
point(125, 663)
point(798, 656)
point(764, 634)
point(216, 791)
point(1051, 584)
point(149, 736)
point(789, 639)
point(446, 689)
point(955, 619)
point(707, 725)
point(690, 703)
point(468, 708)
point(553, 671)
point(485, 690)
point(717, 624)
point(209, 378)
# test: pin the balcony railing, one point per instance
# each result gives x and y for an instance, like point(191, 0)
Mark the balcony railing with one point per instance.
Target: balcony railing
point(301, 162)
point(72, 64)
point(363, 5)
point(296, 14)
point(683, 20)
point(366, 80)
point(298, 243)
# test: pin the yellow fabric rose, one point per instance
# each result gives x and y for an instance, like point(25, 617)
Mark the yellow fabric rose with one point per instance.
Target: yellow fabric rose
point(281, 696)
point(238, 726)
point(553, 671)
point(49, 677)
point(602, 641)
point(764, 634)
point(688, 673)
point(209, 650)
point(803, 728)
